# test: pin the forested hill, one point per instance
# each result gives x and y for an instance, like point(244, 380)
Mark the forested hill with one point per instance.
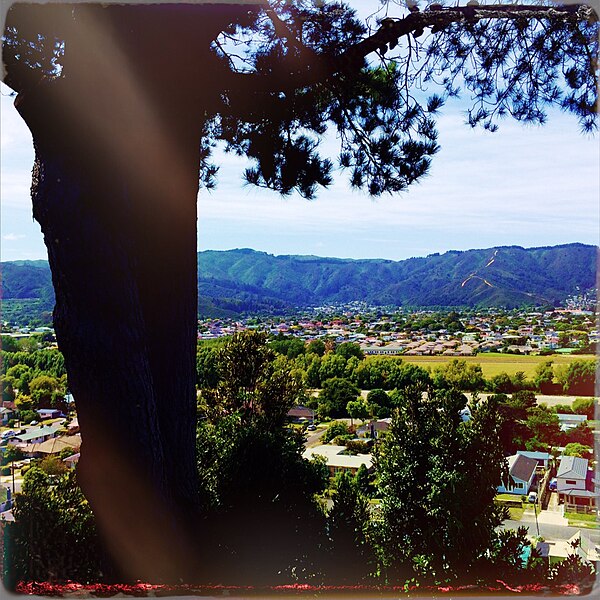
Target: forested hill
point(236, 281)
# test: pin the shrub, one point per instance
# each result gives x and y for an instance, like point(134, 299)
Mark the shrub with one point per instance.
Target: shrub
point(337, 428)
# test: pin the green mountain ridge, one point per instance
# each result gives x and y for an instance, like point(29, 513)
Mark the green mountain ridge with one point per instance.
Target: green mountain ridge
point(234, 282)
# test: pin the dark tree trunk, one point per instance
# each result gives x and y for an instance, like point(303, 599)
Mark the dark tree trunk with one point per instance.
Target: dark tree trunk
point(114, 189)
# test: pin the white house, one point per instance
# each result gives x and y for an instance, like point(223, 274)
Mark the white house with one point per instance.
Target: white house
point(337, 461)
point(571, 474)
point(575, 485)
point(521, 473)
point(567, 421)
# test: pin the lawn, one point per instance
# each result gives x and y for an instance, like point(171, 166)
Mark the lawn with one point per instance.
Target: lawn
point(582, 520)
point(493, 363)
point(515, 513)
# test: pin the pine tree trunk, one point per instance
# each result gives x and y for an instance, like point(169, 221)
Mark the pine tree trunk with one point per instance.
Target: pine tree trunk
point(123, 261)
point(117, 140)
point(118, 214)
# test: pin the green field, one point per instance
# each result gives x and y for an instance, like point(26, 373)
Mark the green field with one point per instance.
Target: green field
point(493, 363)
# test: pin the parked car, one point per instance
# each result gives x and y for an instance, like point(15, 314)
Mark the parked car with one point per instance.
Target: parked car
point(311, 427)
point(532, 497)
point(552, 484)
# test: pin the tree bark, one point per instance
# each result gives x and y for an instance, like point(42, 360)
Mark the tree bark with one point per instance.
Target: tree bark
point(117, 141)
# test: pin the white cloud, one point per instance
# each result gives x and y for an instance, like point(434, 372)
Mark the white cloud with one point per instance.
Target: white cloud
point(13, 237)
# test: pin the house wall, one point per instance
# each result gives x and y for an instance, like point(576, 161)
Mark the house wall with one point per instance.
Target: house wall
point(568, 483)
point(523, 490)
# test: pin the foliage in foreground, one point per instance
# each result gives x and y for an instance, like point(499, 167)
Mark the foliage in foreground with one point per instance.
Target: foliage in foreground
point(261, 520)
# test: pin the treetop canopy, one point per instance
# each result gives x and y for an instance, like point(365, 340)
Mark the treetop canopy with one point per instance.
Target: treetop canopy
point(268, 79)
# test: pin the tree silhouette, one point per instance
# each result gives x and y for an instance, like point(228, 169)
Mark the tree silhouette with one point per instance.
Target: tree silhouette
point(125, 103)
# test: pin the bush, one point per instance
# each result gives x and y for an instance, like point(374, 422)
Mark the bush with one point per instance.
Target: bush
point(337, 428)
point(5, 471)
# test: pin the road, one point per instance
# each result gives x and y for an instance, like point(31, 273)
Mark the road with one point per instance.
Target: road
point(554, 532)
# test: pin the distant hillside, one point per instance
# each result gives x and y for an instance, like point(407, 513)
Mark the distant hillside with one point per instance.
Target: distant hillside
point(244, 281)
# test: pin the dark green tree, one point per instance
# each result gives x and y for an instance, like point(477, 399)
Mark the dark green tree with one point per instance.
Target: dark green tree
point(543, 377)
point(351, 556)
point(459, 374)
point(335, 395)
point(260, 520)
point(337, 428)
point(170, 82)
point(316, 347)
point(437, 478)
point(585, 406)
point(578, 377)
point(544, 429)
point(53, 537)
point(349, 349)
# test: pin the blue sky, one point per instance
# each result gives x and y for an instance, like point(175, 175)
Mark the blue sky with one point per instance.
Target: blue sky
point(523, 185)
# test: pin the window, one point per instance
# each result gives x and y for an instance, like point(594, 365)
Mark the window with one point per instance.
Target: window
point(571, 482)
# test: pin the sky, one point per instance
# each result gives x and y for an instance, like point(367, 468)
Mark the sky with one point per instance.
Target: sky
point(523, 185)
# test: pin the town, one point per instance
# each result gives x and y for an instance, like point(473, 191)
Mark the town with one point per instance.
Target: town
point(355, 366)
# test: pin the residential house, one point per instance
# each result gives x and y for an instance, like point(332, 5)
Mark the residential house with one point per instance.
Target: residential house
point(575, 485)
point(71, 461)
point(52, 446)
point(542, 458)
point(48, 413)
point(568, 421)
point(373, 428)
point(299, 414)
point(36, 435)
point(337, 461)
point(521, 473)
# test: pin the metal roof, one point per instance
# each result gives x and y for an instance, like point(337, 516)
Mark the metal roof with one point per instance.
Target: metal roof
point(573, 466)
point(522, 467)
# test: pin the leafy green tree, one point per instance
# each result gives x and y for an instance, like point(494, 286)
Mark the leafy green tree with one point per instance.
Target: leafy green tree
point(543, 377)
point(335, 429)
point(207, 371)
point(519, 382)
point(437, 478)
point(10, 454)
point(500, 384)
point(122, 247)
point(585, 406)
point(349, 349)
point(351, 556)
point(52, 465)
point(42, 390)
point(316, 347)
point(364, 481)
point(459, 374)
point(289, 346)
point(54, 536)
point(335, 395)
point(578, 377)
point(27, 416)
point(332, 365)
point(579, 450)
point(8, 390)
point(405, 374)
point(379, 397)
point(357, 409)
point(581, 434)
point(257, 490)
point(544, 429)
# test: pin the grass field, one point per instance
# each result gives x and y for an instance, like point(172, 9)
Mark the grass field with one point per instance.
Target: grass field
point(493, 363)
